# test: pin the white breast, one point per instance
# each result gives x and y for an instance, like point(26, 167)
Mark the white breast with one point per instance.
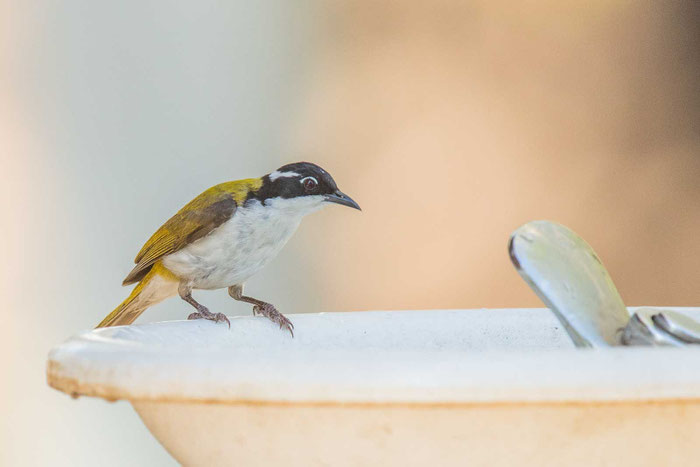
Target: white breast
point(241, 246)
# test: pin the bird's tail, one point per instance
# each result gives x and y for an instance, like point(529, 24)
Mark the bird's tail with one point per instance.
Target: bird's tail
point(155, 287)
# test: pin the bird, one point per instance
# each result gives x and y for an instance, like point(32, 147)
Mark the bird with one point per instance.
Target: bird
point(222, 238)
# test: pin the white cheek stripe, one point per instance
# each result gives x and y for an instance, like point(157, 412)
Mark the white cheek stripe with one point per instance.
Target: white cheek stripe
point(275, 175)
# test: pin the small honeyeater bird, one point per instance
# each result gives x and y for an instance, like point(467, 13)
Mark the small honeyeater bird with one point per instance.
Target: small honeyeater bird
point(223, 237)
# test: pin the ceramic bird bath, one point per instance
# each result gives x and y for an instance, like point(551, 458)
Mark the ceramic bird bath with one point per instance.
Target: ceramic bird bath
point(489, 387)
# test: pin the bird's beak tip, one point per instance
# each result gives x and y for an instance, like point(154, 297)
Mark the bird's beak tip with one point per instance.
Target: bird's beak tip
point(344, 200)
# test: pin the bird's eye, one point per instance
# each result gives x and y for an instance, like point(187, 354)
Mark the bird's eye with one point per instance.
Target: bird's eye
point(309, 183)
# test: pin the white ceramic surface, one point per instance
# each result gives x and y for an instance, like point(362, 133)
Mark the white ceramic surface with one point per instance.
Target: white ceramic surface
point(567, 275)
point(402, 387)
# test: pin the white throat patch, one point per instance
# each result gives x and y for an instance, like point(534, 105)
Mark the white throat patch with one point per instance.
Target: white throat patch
point(298, 206)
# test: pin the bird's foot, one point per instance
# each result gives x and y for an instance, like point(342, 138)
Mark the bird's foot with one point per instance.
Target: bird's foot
point(270, 312)
point(206, 314)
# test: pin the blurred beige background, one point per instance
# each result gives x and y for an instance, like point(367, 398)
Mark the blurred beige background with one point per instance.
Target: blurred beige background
point(451, 123)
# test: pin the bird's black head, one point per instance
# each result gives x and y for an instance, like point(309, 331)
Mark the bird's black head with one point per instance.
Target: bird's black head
point(303, 180)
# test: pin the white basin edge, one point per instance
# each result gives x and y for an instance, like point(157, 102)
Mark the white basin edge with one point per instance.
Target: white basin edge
point(395, 357)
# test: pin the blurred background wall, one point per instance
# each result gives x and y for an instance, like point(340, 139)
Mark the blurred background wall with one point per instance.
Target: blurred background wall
point(451, 122)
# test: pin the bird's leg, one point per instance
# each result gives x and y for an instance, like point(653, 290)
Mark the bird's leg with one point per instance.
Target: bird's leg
point(202, 312)
point(259, 307)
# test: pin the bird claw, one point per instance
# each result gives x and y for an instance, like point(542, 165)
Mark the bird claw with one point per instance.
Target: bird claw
point(216, 317)
point(271, 313)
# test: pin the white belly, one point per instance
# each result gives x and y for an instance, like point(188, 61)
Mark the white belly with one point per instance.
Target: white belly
point(237, 249)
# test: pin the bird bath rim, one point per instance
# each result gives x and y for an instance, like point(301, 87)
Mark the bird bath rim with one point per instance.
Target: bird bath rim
point(424, 357)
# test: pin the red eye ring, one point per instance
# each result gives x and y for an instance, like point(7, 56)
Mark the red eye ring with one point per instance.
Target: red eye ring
point(309, 183)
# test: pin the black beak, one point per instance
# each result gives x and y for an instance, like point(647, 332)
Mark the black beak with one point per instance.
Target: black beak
point(341, 198)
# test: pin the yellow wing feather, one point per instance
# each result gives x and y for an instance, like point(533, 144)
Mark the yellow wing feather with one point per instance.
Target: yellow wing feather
point(194, 221)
